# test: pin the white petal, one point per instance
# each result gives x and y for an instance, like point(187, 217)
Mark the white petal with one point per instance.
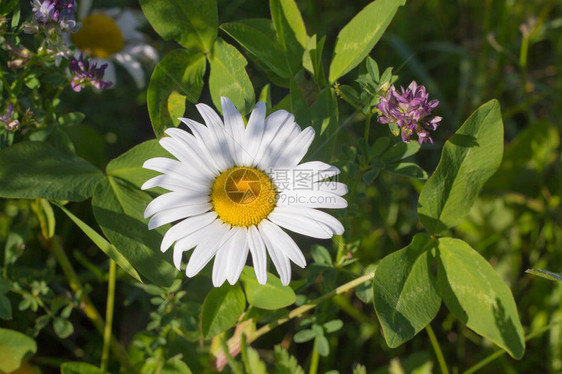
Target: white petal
point(284, 242)
point(293, 153)
point(220, 267)
point(254, 134)
point(306, 221)
point(132, 66)
point(280, 260)
point(336, 188)
point(235, 130)
point(206, 142)
point(191, 234)
point(278, 143)
point(84, 8)
point(128, 23)
point(311, 199)
point(214, 123)
point(187, 155)
point(206, 249)
point(233, 254)
point(110, 74)
point(238, 255)
point(273, 123)
point(259, 258)
point(170, 183)
point(189, 141)
point(143, 52)
point(179, 170)
point(174, 214)
point(188, 242)
point(186, 227)
point(174, 199)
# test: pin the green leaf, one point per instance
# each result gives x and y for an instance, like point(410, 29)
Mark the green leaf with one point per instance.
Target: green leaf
point(258, 37)
point(545, 274)
point(71, 119)
point(175, 366)
point(476, 295)
point(271, 296)
point(108, 248)
point(333, 326)
point(407, 169)
point(79, 368)
point(404, 294)
point(5, 308)
point(304, 336)
point(321, 255)
point(324, 116)
point(221, 309)
point(179, 76)
point(229, 78)
point(322, 346)
point(33, 170)
point(400, 151)
point(291, 31)
point(255, 364)
point(193, 23)
point(119, 210)
point(128, 166)
point(63, 327)
point(285, 363)
point(360, 35)
point(469, 158)
point(312, 59)
point(15, 347)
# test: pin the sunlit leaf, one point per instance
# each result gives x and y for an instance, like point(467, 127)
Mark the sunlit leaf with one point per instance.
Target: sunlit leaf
point(476, 295)
point(360, 35)
point(35, 170)
point(405, 298)
point(193, 23)
point(469, 158)
point(179, 76)
point(221, 309)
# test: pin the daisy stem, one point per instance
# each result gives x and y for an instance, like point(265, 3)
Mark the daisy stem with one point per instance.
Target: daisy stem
point(108, 316)
point(297, 312)
point(88, 307)
point(437, 349)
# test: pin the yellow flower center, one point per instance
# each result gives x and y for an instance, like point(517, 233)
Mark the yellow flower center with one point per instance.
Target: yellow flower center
point(243, 196)
point(99, 36)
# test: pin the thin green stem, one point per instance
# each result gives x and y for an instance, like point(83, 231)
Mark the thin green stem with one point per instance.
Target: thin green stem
point(234, 343)
point(89, 308)
point(108, 316)
point(497, 354)
point(315, 359)
point(343, 303)
point(437, 349)
point(367, 127)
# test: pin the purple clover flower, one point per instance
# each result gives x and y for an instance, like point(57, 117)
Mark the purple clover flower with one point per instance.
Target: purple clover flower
point(10, 124)
point(87, 75)
point(59, 13)
point(410, 110)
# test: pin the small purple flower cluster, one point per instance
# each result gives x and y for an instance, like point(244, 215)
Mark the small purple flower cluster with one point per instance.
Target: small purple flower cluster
point(87, 75)
point(410, 110)
point(10, 124)
point(60, 13)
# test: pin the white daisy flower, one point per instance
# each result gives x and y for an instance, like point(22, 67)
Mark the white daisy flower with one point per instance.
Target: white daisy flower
point(233, 188)
point(109, 35)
